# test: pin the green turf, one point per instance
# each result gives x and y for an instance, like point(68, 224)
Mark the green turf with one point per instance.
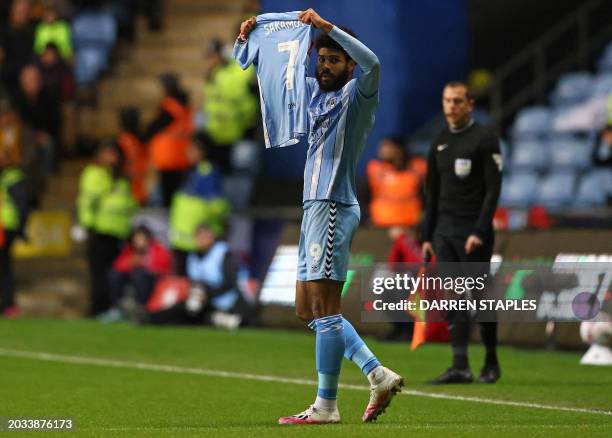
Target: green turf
point(106, 401)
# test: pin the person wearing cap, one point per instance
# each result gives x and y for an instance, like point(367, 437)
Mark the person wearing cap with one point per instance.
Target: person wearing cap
point(105, 207)
point(230, 104)
point(169, 135)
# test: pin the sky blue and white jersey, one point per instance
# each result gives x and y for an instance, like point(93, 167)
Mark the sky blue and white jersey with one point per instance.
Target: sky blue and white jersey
point(279, 46)
point(339, 125)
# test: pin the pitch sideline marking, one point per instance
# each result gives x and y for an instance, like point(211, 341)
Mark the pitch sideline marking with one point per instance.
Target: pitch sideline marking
point(51, 357)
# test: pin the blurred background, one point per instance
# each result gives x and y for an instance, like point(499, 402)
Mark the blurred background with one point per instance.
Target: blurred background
point(131, 144)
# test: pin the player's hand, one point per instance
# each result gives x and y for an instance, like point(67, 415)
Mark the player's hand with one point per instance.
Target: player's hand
point(472, 243)
point(246, 27)
point(309, 16)
point(427, 251)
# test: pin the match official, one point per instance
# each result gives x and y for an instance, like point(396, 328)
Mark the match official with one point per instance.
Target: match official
point(462, 188)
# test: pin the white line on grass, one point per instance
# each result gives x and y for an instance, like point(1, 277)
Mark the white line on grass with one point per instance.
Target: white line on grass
point(51, 357)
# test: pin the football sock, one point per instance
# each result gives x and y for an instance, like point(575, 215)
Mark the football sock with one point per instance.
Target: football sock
point(488, 333)
point(459, 332)
point(355, 349)
point(329, 350)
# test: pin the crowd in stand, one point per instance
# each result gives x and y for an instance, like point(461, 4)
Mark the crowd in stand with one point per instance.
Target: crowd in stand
point(172, 162)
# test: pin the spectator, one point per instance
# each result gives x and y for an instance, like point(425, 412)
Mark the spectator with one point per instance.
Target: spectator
point(396, 185)
point(212, 269)
point(18, 39)
point(37, 109)
point(105, 209)
point(136, 159)
point(199, 199)
point(169, 136)
point(141, 263)
point(13, 217)
point(53, 30)
point(405, 249)
point(230, 104)
point(603, 143)
point(58, 81)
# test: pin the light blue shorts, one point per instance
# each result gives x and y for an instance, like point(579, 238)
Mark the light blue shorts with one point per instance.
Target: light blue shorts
point(326, 234)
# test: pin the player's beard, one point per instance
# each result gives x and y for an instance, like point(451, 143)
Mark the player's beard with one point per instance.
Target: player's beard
point(336, 82)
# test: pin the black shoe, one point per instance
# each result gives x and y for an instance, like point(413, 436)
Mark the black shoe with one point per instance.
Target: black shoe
point(489, 374)
point(453, 375)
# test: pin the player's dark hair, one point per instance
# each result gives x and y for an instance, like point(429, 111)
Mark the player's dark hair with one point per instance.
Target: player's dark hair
point(325, 41)
point(455, 84)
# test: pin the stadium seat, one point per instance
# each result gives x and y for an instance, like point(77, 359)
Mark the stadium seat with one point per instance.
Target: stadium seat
point(556, 189)
point(532, 122)
point(605, 61)
point(568, 153)
point(518, 189)
point(530, 155)
point(94, 35)
point(602, 85)
point(593, 189)
point(572, 88)
point(237, 189)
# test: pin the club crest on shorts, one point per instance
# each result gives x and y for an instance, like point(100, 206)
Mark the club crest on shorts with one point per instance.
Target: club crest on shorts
point(315, 252)
point(463, 167)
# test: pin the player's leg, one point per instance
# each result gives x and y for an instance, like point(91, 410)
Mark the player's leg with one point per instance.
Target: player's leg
point(490, 372)
point(447, 252)
point(324, 298)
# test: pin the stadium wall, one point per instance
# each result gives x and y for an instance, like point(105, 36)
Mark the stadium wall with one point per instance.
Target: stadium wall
point(525, 245)
point(421, 45)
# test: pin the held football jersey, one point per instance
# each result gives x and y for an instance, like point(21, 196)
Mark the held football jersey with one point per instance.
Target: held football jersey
point(278, 47)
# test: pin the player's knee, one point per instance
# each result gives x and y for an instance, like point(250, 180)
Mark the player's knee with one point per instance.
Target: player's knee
point(304, 314)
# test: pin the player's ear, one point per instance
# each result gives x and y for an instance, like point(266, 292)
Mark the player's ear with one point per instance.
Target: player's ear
point(351, 65)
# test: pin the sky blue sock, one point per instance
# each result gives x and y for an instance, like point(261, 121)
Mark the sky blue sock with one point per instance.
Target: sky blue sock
point(357, 351)
point(330, 348)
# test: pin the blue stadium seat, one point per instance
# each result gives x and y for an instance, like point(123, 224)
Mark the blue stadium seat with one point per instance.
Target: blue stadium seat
point(530, 122)
point(94, 28)
point(572, 88)
point(93, 35)
point(530, 155)
point(593, 188)
point(605, 61)
point(89, 63)
point(556, 189)
point(238, 189)
point(518, 189)
point(568, 153)
point(602, 85)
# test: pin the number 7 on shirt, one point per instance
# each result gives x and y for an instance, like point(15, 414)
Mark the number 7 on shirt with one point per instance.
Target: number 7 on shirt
point(293, 48)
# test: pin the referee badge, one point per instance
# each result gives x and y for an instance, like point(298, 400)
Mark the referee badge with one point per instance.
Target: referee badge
point(463, 166)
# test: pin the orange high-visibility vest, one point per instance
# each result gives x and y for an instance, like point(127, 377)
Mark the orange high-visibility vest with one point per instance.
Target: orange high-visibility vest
point(395, 197)
point(136, 164)
point(169, 147)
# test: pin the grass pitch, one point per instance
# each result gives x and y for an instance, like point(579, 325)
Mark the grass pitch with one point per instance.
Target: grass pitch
point(121, 380)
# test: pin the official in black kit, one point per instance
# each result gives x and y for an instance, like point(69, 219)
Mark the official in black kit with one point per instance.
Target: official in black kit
point(462, 189)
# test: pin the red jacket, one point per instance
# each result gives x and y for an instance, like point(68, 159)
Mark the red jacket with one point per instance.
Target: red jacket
point(405, 249)
point(157, 259)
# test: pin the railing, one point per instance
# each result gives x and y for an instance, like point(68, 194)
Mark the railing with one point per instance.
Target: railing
point(589, 28)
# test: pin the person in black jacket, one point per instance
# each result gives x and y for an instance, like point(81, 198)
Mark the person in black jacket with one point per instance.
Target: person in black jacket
point(462, 189)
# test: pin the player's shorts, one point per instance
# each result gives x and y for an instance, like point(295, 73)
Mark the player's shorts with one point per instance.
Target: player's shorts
point(326, 234)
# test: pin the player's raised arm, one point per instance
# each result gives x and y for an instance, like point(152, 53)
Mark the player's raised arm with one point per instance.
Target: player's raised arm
point(362, 55)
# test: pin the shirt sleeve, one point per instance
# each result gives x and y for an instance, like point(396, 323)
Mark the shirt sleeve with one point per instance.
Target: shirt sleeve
point(492, 164)
point(367, 82)
point(432, 191)
point(245, 52)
